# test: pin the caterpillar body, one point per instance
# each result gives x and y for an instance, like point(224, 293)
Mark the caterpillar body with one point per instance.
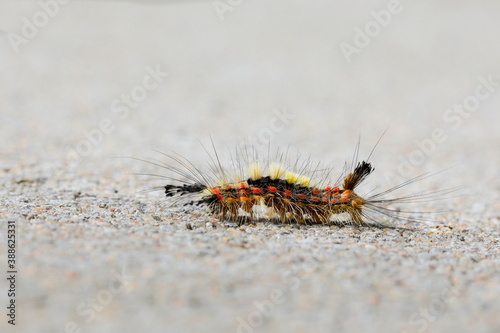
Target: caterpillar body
point(282, 192)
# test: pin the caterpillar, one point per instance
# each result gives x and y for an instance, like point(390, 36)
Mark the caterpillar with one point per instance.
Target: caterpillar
point(284, 192)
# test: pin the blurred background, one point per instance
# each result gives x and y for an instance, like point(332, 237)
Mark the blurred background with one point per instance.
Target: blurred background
point(82, 82)
point(339, 70)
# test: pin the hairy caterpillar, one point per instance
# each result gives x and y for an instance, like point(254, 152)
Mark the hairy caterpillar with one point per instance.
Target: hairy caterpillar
point(283, 191)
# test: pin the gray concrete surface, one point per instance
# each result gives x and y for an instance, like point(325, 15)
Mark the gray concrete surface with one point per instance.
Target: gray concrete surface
point(95, 253)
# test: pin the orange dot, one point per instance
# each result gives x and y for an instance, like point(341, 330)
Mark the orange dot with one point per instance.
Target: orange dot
point(256, 190)
point(287, 192)
point(216, 190)
point(244, 198)
point(336, 189)
point(328, 188)
point(314, 198)
point(344, 199)
point(272, 189)
point(324, 199)
point(301, 196)
point(316, 191)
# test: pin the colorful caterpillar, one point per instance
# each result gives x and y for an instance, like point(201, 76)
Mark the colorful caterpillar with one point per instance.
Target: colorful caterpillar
point(286, 196)
point(291, 198)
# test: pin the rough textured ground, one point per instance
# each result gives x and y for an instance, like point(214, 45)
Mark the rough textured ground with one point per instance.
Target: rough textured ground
point(95, 254)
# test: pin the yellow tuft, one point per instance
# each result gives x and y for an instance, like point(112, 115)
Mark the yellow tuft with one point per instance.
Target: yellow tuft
point(255, 171)
point(206, 192)
point(276, 170)
point(291, 177)
point(222, 182)
point(304, 181)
